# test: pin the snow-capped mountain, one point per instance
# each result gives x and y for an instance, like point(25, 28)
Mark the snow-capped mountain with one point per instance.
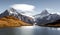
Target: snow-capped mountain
point(11, 12)
point(42, 18)
point(42, 14)
point(20, 15)
point(46, 17)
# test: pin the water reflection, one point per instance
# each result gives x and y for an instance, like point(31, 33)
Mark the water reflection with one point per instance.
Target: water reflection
point(27, 30)
point(47, 31)
point(30, 30)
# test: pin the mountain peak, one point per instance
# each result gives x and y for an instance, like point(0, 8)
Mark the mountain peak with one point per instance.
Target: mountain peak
point(9, 12)
point(12, 9)
point(44, 12)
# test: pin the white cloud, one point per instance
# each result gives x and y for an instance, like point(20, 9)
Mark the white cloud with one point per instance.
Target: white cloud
point(27, 9)
point(23, 7)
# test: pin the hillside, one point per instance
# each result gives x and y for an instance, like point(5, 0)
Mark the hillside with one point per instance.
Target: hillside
point(10, 21)
point(53, 24)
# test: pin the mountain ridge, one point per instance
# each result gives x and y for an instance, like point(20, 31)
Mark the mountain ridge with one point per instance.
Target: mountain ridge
point(39, 18)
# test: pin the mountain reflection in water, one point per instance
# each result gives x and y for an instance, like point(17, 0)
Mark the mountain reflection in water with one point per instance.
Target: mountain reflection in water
point(30, 30)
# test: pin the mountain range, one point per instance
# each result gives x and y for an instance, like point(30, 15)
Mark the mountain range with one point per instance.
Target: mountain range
point(43, 18)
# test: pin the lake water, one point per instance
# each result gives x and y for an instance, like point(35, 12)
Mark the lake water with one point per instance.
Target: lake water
point(30, 30)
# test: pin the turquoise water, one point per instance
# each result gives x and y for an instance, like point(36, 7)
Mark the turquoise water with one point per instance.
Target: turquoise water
point(30, 30)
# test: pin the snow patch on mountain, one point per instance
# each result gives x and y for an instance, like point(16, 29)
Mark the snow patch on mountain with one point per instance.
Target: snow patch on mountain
point(53, 11)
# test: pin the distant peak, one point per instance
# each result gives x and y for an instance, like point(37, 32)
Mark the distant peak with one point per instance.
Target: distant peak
point(44, 12)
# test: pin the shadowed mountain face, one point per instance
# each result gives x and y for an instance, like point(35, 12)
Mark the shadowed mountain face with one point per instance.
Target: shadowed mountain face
point(10, 12)
point(44, 12)
point(53, 24)
point(4, 14)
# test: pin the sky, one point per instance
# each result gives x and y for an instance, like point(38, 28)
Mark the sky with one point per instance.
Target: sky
point(52, 5)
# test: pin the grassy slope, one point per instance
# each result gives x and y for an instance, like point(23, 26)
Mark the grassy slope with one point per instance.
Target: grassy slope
point(10, 21)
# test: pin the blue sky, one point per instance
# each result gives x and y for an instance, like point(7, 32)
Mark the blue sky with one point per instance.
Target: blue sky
point(39, 4)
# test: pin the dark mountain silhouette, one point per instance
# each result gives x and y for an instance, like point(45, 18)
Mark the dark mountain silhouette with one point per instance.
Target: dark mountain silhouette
point(54, 24)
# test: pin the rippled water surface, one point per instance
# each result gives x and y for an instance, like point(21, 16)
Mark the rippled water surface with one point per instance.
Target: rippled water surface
point(30, 30)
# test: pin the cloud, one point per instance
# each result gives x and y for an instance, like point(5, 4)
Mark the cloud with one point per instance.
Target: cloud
point(23, 7)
